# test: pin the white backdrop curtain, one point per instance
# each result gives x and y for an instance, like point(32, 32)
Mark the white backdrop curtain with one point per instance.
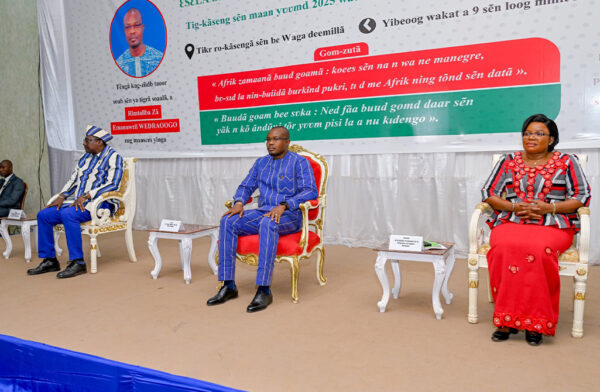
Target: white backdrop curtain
point(369, 197)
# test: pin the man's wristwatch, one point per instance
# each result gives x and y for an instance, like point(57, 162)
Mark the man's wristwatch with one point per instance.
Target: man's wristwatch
point(285, 204)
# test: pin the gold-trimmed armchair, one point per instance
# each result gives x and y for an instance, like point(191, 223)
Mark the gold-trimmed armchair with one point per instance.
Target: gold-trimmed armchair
point(573, 262)
point(292, 248)
point(102, 222)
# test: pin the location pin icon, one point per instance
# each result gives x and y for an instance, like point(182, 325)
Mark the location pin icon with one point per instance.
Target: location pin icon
point(189, 50)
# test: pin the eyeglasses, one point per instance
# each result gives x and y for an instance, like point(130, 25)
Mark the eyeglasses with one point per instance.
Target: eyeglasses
point(90, 139)
point(536, 134)
point(275, 139)
point(135, 26)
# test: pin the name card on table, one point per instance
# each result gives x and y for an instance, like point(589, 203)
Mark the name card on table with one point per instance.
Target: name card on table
point(16, 214)
point(410, 243)
point(170, 225)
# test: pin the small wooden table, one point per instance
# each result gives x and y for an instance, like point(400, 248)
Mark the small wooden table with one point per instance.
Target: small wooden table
point(443, 264)
point(185, 235)
point(26, 224)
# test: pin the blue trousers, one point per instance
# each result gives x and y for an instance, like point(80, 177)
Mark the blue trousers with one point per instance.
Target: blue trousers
point(254, 222)
point(71, 220)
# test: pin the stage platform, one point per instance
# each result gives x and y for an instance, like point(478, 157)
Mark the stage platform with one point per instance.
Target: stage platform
point(334, 339)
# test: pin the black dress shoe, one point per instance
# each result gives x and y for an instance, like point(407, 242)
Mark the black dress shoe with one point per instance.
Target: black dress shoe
point(47, 265)
point(499, 336)
point(533, 338)
point(260, 301)
point(73, 269)
point(224, 294)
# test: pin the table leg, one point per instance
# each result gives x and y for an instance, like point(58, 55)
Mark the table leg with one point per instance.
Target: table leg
point(7, 240)
point(181, 256)
point(57, 247)
point(439, 268)
point(26, 234)
point(449, 267)
point(35, 236)
point(214, 236)
point(152, 246)
point(383, 279)
point(186, 255)
point(397, 278)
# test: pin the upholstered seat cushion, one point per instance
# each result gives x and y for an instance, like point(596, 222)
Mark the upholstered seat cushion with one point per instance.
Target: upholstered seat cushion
point(287, 246)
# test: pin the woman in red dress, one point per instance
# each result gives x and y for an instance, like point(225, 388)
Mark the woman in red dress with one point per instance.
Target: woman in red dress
point(531, 226)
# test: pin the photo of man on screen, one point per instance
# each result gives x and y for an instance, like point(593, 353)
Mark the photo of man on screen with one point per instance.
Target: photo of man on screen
point(139, 59)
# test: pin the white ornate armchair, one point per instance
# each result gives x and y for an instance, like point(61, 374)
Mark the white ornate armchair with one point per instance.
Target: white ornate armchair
point(293, 248)
point(573, 262)
point(102, 222)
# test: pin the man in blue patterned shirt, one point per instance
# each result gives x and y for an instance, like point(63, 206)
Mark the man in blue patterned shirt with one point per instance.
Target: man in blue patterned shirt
point(140, 59)
point(285, 180)
point(98, 171)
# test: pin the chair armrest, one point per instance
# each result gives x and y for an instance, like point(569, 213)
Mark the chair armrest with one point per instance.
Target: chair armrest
point(229, 203)
point(305, 207)
point(584, 234)
point(101, 216)
point(482, 208)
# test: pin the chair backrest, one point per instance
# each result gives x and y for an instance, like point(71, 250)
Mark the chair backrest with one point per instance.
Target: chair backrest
point(24, 195)
point(320, 170)
point(126, 191)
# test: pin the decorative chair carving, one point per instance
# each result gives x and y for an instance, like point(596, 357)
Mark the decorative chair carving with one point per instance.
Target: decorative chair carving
point(292, 248)
point(573, 262)
point(103, 222)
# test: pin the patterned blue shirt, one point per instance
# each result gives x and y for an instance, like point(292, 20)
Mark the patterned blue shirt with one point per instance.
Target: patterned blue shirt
point(95, 174)
point(288, 179)
point(141, 65)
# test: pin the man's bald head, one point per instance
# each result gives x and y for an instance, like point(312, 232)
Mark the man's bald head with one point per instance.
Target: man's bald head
point(283, 131)
point(133, 12)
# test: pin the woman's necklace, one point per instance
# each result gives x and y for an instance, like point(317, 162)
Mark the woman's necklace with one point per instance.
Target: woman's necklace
point(525, 176)
point(537, 161)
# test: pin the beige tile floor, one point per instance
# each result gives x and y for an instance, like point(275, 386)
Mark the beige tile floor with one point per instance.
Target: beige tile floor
point(334, 339)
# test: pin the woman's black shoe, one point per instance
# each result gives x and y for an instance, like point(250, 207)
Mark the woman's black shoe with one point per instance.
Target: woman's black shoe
point(499, 336)
point(533, 338)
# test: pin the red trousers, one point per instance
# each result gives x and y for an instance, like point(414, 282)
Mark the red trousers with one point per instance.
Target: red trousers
point(523, 265)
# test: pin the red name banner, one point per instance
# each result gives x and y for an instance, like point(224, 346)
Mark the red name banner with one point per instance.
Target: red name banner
point(149, 126)
point(143, 112)
point(340, 51)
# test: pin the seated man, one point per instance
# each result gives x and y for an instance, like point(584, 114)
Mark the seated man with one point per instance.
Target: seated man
point(11, 189)
point(285, 180)
point(98, 171)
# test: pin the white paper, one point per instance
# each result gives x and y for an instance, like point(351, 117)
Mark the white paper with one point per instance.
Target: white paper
point(170, 225)
point(16, 214)
point(411, 243)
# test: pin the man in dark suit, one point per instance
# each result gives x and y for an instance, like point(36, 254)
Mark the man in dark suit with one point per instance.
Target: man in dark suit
point(11, 188)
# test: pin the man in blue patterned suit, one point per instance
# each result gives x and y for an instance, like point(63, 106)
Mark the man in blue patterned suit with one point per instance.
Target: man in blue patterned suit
point(285, 180)
point(99, 170)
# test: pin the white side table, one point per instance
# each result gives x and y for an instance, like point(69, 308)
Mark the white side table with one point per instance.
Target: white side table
point(185, 236)
point(443, 264)
point(26, 224)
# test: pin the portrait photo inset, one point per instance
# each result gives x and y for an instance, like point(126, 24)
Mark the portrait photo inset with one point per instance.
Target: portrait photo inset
point(138, 38)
